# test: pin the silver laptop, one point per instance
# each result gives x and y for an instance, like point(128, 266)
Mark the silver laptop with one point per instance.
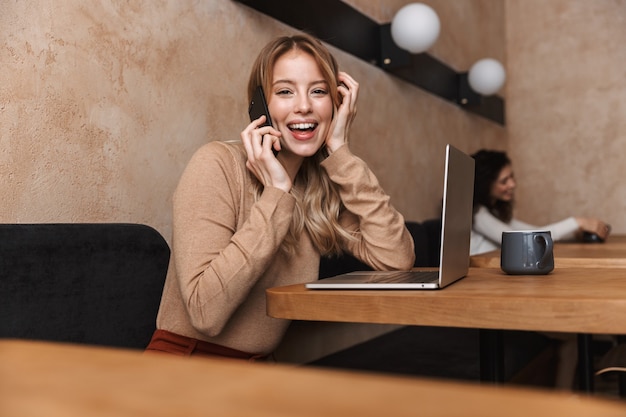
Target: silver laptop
point(456, 227)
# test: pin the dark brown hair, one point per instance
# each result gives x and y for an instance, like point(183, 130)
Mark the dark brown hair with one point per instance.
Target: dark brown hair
point(488, 165)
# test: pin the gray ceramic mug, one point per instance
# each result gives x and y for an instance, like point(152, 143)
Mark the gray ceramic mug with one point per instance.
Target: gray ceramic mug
point(527, 252)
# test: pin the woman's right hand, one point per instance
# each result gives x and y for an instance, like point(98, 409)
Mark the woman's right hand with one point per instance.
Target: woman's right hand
point(595, 226)
point(259, 141)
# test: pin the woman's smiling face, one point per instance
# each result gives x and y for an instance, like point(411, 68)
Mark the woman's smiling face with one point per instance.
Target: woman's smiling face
point(300, 104)
point(503, 187)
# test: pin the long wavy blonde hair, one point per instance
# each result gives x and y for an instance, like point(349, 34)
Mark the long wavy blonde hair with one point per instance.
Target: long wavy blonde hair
point(318, 204)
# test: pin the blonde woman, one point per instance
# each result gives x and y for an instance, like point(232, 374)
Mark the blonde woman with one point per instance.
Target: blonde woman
point(246, 219)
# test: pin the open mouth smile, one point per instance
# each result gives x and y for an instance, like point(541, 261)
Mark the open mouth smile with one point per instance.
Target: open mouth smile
point(302, 127)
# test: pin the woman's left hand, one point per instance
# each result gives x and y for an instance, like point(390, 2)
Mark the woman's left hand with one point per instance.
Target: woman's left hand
point(340, 127)
point(594, 226)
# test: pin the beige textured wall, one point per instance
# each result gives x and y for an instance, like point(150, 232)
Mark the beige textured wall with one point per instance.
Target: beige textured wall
point(102, 103)
point(567, 108)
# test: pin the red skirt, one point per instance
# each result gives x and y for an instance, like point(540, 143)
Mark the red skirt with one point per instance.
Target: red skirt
point(168, 342)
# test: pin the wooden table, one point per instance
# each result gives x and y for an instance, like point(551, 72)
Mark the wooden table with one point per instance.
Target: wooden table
point(56, 380)
point(611, 254)
point(573, 300)
point(590, 300)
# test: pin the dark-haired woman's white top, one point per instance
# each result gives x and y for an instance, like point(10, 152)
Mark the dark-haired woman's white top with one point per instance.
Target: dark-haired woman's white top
point(487, 230)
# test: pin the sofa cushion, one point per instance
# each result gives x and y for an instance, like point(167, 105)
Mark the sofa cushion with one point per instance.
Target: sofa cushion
point(331, 266)
point(83, 283)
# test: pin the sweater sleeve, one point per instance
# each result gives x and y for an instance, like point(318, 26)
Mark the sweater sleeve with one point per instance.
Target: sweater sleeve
point(218, 261)
point(382, 239)
point(487, 225)
point(563, 230)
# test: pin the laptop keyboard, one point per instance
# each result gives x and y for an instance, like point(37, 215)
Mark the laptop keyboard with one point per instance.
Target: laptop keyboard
point(409, 277)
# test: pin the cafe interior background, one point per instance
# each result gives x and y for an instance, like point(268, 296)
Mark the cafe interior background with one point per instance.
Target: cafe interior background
point(103, 103)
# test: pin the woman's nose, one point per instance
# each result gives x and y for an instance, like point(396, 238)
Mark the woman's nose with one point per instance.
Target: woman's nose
point(512, 183)
point(303, 105)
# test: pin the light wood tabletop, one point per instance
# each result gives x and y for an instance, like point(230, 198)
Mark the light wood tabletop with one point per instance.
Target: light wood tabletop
point(611, 254)
point(577, 300)
point(584, 301)
point(57, 380)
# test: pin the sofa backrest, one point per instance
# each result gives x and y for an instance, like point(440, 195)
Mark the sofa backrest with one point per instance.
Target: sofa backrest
point(432, 227)
point(331, 266)
point(97, 283)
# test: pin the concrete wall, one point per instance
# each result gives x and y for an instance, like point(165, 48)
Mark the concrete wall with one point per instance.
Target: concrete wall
point(567, 108)
point(102, 103)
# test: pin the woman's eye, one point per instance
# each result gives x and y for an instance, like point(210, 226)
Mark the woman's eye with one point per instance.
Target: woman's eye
point(282, 92)
point(320, 91)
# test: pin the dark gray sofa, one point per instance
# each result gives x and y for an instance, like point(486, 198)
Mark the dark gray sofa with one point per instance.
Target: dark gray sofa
point(95, 283)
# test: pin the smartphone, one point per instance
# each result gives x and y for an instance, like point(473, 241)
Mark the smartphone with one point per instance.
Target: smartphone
point(258, 107)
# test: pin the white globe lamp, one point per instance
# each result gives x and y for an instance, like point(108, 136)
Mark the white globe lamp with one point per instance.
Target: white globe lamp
point(415, 27)
point(486, 76)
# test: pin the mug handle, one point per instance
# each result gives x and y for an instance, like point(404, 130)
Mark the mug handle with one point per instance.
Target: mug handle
point(548, 246)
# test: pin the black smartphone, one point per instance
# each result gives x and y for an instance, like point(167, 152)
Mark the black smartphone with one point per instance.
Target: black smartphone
point(258, 107)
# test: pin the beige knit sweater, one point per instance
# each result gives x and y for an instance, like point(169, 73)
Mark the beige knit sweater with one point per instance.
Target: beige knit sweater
point(225, 245)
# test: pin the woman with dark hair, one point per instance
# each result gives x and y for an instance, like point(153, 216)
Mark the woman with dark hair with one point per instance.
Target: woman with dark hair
point(494, 187)
point(246, 218)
